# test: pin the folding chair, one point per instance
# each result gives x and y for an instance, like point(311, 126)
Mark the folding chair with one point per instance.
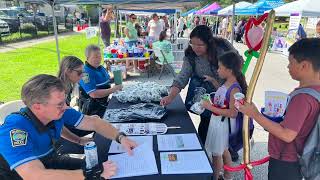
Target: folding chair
point(164, 65)
point(8, 108)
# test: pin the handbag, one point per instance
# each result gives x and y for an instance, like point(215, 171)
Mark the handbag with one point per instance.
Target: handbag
point(195, 83)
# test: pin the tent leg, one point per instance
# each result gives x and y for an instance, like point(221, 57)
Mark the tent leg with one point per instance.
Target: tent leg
point(55, 32)
point(216, 26)
point(99, 30)
point(232, 22)
point(117, 23)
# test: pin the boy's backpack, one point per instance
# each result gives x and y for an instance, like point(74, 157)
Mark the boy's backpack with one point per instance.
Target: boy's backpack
point(235, 138)
point(309, 160)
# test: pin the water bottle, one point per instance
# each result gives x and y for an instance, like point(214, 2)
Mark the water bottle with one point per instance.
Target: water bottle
point(90, 151)
point(197, 106)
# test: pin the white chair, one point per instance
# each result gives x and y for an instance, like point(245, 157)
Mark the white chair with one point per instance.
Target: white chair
point(10, 107)
point(164, 65)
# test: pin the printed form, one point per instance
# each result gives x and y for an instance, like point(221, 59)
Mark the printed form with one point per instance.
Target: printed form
point(190, 162)
point(172, 142)
point(142, 162)
point(118, 148)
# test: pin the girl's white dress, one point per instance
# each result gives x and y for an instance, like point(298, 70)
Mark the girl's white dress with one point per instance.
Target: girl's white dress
point(218, 132)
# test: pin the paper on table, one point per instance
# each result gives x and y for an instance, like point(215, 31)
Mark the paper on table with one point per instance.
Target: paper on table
point(118, 148)
point(170, 142)
point(142, 162)
point(190, 162)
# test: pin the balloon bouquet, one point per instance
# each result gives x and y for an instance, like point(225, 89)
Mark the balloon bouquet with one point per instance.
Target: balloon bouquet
point(257, 39)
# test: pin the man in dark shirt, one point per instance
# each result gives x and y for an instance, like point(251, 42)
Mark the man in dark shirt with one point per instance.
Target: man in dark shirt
point(107, 16)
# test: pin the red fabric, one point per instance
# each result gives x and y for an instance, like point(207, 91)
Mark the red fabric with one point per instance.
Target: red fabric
point(247, 174)
point(301, 116)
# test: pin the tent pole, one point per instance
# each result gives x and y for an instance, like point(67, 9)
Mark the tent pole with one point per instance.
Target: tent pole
point(55, 31)
point(175, 25)
point(120, 24)
point(216, 26)
point(117, 22)
point(232, 22)
point(99, 30)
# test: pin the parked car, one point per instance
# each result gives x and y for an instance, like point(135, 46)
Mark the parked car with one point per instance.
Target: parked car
point(4, 28)
point(41, 22)
point(12, 22)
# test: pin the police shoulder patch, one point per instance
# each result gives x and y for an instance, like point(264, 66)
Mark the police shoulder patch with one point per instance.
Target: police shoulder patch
point(18, 137)
point(86, 78)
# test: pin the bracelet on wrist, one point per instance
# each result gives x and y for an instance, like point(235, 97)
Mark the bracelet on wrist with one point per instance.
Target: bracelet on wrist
point(120, 136)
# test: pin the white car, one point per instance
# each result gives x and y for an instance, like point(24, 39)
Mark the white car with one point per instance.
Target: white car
point(4, 28)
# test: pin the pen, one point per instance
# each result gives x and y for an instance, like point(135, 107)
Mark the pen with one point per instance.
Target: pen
point(174, 127)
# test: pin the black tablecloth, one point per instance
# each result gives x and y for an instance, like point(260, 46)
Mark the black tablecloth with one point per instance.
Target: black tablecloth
point(177, 116)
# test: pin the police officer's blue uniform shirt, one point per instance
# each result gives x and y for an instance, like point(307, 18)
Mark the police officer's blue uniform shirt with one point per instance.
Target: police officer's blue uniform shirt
point(24, 140)
point(94, 78)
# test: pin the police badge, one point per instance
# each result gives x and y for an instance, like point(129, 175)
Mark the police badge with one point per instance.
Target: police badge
point(86, 78)
point(18, 137)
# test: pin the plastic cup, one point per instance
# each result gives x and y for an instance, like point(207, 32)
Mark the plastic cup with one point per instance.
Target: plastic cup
point(239, 99)
point(109, 55)
point(117, 74)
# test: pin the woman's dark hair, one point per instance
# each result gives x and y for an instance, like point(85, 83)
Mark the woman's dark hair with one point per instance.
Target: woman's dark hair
point(139, 29)
point(154, 15)
point(233, 61)
point(204, 33)
point(162, 35)
point(131, 15)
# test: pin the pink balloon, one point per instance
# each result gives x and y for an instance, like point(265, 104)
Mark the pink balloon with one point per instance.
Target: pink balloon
point(255, 35)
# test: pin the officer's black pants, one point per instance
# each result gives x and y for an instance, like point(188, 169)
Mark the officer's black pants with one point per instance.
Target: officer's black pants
point(51, 161)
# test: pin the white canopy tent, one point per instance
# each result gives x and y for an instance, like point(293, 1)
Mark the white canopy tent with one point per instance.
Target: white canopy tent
point(307, 8)
point(227, 11)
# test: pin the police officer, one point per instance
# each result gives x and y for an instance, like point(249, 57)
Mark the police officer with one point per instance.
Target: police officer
point(28, 137)
point(95, 84)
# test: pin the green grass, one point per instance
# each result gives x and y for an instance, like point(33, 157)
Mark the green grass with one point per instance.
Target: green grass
point(17, 66)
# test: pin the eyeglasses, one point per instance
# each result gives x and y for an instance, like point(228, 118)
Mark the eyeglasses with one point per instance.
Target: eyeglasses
point(197, 45)
point(79, 72)
point(60, 105)
point(133, 18)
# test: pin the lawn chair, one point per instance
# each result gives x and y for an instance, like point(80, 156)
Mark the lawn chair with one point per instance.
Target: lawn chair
point(10, 107)
point(164, 65)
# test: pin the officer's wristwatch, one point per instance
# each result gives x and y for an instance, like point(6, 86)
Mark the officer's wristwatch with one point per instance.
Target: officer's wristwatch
point(120, 136)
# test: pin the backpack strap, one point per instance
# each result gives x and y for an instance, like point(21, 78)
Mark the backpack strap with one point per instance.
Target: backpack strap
point(309, 91)
point(312, 92)
point(234, 85)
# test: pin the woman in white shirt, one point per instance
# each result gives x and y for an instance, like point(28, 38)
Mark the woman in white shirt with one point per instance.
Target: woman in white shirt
point(155, 27)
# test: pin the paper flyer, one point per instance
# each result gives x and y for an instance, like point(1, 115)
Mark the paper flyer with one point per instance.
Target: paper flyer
point(275, 103)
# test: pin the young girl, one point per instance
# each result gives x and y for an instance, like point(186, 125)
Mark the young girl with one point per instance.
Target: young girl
point(217, 142)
